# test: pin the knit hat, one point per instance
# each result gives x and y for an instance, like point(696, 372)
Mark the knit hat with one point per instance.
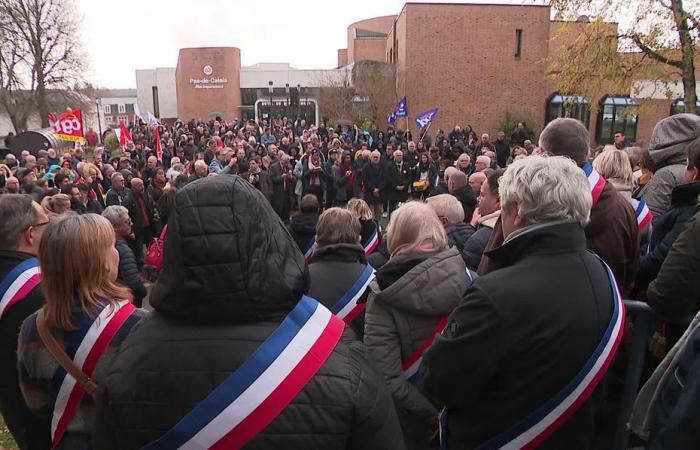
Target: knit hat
point(670, 137)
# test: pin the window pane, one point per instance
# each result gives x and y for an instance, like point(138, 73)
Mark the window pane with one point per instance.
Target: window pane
point(620, 118)
point(631, 129)
point(605, 133)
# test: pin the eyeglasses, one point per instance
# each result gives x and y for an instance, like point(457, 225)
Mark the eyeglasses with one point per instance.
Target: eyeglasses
point(37, 225)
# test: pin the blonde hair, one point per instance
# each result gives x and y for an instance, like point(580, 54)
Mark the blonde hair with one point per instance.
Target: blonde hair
point(72, 254)
point(413, 224)
point(50, 203)
point(338, 226)
point(86, 168)
point(361, 209)
point(614, 165)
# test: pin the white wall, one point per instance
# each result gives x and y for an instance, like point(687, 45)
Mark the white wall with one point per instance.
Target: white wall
point(259, 75)
point(164, 78)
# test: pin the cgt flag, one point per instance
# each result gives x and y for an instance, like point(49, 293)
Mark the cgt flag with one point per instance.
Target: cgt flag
point(424, 119)
point(69, 126)
point(401, 110)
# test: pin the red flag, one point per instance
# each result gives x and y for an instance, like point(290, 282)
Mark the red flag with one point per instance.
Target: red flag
point(52, 119)
point(69, 126)
point(124, 136)
point(159, 147)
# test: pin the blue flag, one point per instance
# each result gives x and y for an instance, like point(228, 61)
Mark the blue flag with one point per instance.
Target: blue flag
point(423, 119)
point(401, 109)
point(391, 119)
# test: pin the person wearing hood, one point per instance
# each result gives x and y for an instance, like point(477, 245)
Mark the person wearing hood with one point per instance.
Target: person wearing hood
point(667, 154)
point(302, 227)
point(214, 362)
point(408, 305)
point(684, 199)
point(339, 273)
point(451, 214)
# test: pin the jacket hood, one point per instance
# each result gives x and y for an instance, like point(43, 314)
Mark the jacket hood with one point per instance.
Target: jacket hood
point(227, 256)
point(685, 194)
point(670, 137)
point(430, 287)
point(304, 223)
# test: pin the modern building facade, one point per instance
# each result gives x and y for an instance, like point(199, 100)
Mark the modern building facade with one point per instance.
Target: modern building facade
point(474, 62)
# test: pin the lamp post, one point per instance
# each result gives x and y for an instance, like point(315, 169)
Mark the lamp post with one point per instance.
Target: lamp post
point(286, 91)
point(269, 91)
point(99, 122)
point(298, 101)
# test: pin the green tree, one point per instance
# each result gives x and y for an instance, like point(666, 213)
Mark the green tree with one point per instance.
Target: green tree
point(658, 39)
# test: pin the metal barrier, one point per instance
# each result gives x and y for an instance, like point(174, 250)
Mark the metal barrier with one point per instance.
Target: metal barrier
point(644, 326)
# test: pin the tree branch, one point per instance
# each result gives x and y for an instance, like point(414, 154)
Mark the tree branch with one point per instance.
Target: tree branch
point(653, 53)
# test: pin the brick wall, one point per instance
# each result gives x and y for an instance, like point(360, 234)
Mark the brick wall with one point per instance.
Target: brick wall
point(461, 59)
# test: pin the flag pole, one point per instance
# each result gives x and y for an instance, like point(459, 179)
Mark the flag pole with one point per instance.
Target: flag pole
point(426, 131)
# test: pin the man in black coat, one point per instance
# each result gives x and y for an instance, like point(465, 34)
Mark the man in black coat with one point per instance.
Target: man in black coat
point(21, 227)
point(521, 334)
point(128, 272)
point(144, 217)
point(231, 275)
point(283, 182)
point(302, 227)
point(374, 180)
point(400, 177)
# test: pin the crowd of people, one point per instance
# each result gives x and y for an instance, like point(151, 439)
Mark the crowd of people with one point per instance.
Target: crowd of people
point(286, 313)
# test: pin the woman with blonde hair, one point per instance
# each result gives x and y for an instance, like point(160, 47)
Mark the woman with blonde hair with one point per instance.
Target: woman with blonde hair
point(91, 175)
point(409, 303)
point(66, 347)
point(55, 205)
point(371, 234)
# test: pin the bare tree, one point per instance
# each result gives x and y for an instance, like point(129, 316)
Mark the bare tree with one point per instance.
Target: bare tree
point(43, 54)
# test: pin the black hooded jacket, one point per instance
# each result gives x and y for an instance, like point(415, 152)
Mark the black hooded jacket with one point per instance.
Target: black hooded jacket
point(231, 274)
point(302, 227)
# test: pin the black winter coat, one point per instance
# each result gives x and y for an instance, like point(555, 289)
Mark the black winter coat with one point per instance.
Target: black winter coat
point(231, 274)
point(373, 176)
point(467, 198)
point(458, 234)
point(666, 229)
point(302, 227)
point(128, 273)
point(516, 339)
point(334, 270)
point(474, 247)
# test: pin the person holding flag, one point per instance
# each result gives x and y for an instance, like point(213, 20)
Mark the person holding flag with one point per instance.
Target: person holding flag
point(408, 305)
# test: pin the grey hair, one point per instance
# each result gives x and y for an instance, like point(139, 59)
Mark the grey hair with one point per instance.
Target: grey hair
point(566, 137)
point(484, 159)
point(338, 226)
point(447, 205)
point(546, 189)
point(18, 214)
point(114, 214)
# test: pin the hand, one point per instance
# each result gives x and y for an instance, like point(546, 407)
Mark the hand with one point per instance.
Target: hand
point(233, 161)
point(475, 217)
point(400, 188)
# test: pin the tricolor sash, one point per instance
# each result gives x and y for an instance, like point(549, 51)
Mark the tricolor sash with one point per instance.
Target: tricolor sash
point(310, 249)
point(411, 365)
point(347, 307)
point(595, 180)
point(84, 346)
point(540, 424)
point(644, 215)
point(373, 240)
point(18, 283)
point(257, 392)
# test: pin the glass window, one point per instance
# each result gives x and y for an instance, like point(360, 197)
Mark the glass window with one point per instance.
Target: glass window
point(108, 109)
point(679, 107)
point(617, 114)
point(568, 106)
point(121, 108)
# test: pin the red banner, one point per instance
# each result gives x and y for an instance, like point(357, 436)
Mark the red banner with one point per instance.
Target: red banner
point(69, 126)
point(159, 146)
point(124, 136)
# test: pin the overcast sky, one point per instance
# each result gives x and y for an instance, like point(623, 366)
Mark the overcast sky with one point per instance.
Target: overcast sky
point(144, 34)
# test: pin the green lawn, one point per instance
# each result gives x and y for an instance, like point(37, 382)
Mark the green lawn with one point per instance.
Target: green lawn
point(6, 441)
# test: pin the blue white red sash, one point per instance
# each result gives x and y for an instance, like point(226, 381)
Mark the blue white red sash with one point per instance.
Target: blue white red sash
point(412, 364)
point(84, 346)
point(253, 395)
point(644, 215)
point(595, 180)
point(374, 240)
point(310, 249)
point(347, 307)
point(537, 426)
point(18, 283)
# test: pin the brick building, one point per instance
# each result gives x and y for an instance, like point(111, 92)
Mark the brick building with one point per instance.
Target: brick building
point(475, 62)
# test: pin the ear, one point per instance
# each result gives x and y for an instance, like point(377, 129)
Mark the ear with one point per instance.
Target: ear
point(444, 221)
